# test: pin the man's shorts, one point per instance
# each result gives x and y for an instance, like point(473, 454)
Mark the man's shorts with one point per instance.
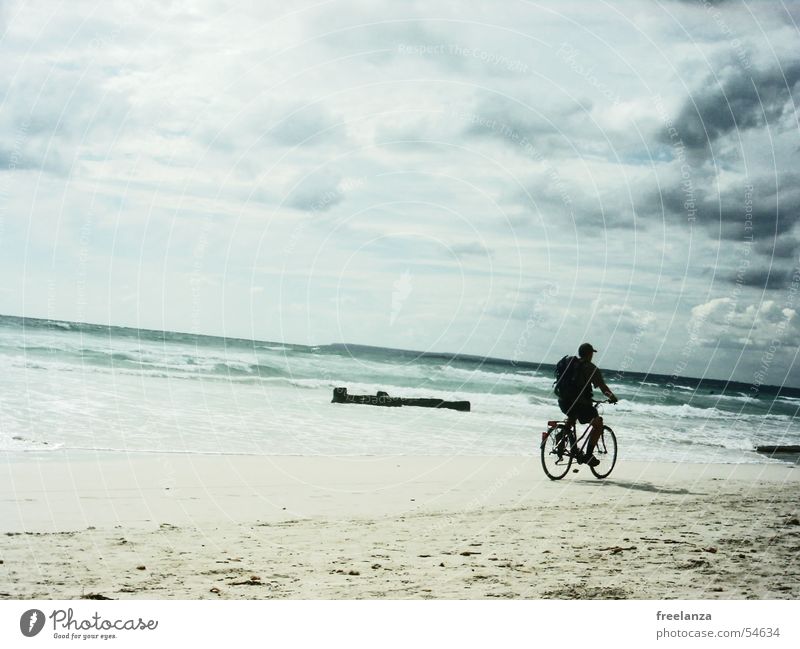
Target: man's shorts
point(582, 409)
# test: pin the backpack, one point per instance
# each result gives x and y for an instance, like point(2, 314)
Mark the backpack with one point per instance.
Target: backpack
point(565, 386)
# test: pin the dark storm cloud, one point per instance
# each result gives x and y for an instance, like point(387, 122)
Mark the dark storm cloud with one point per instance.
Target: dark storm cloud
point(766, 207)
point(546, 135)
point(763, 213)
point(738, 99)
point(776, 262)
point(785, 246)
point(762, 277)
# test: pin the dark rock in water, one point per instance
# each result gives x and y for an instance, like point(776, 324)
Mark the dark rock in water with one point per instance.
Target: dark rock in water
point(383, 399)
point(784, 453)
point(380, 399)
point(778, 449)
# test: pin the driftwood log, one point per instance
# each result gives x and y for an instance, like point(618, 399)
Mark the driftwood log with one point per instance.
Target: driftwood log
point(770, 450)
point(383, 399)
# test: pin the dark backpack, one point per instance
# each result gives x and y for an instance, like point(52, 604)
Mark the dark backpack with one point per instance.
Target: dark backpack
point(566, 385)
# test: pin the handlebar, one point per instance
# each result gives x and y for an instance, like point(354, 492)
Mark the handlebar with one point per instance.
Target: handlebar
point(597, 403)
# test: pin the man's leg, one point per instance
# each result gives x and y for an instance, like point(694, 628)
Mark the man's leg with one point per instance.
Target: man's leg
point(570, 427)
point(594, 434)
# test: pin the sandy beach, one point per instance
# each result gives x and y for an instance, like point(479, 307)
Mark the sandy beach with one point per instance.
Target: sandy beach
point(157, 526)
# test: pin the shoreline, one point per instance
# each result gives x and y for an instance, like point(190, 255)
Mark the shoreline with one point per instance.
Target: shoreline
point(13, 456)
point(158, 526)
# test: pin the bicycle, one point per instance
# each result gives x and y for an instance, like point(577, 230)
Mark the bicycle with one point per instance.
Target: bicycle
point(560, 447)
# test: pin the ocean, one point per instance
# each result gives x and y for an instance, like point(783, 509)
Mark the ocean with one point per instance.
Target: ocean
point(69, 386)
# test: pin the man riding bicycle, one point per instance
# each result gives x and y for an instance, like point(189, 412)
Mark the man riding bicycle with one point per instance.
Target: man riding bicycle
point(580, 406)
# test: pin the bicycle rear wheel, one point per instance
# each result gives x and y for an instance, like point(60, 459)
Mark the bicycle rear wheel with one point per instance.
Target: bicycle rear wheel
point(606, 452)
point(556, 459)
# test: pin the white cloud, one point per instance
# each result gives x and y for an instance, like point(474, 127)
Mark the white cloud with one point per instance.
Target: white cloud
point(622, 317)
point(725, 323)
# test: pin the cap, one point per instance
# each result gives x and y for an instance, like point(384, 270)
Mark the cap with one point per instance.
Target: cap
point(585, 348)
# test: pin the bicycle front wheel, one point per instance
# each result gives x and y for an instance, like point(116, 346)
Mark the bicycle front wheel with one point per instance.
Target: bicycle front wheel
point(556, 459)
point(605, 451)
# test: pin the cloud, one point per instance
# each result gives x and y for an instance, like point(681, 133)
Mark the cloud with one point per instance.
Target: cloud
point(402, 37)
point(770, 277)
point(471, 248)
point(784, 246)
point(622, 317)
point(53, 110)
point(536, 304)
point(735, 100)
point(730, 207)
point(764, 211)
point(256, 124)
point(510, 120)
point(307, 125)
point(316, 192)
point(588, 198)
point(13, 158)
point(725, 323)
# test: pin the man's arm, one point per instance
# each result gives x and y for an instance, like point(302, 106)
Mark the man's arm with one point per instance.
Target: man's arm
point(600, 384)
point(607, 391)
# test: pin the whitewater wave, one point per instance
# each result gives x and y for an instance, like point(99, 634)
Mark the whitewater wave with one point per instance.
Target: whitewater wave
point(477, 376)
point(125, 362)
point(740, 397)
point(682, 410)
point(57, 324)
point(688, 441)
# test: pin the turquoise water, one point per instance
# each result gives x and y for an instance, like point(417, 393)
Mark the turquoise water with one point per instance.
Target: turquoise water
point(79, 386)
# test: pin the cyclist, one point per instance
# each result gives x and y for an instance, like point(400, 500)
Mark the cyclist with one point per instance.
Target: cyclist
point(580, 406)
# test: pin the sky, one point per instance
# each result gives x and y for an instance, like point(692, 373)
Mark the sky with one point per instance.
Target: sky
point(503, 179)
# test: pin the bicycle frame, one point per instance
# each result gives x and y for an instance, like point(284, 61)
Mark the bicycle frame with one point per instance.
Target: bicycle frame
point(578, 443)
point(566, 445)
point(574, 443)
